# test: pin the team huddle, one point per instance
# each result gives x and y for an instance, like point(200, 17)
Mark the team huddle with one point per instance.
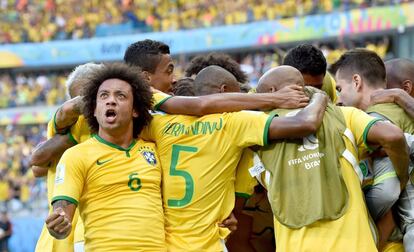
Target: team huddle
point(137, 161)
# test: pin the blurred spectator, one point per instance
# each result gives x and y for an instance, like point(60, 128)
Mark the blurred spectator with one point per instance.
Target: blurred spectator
point(32, 89)
point(36, 21)
point(5, 231)
point(49, 89)
point(18, 187)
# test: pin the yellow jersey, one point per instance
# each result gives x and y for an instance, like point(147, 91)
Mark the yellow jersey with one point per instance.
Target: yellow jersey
point(46, 242)
point(199, 156)
point(351, 232)
point(78, 133)
point(118, 194)
point(245, 182)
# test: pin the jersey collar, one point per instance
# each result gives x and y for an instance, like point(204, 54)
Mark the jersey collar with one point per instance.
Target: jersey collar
point(100, 139)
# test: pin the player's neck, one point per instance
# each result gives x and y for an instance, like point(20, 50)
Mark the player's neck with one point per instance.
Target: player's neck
point(366, 101)
point(121, 138)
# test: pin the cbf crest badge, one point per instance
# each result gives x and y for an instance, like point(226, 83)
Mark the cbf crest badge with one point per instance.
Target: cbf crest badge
point(149, 155)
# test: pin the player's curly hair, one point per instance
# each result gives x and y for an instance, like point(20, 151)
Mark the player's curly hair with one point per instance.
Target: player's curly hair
point(146, 54)
point(184, 87)
point(142, 96)
point(219, 59)
point(307, 58)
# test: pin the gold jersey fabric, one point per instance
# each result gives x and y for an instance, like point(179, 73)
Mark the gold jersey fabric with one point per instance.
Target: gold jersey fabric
point(78, 133)
point(118, 194)
point(199, 156)
point(46, 242)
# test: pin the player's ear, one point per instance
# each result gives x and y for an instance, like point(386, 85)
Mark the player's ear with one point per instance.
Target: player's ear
point(407, 85)
point(223, 88)
point(135, 114)
point(357, 82)
point(147, 76)
point(272, 89)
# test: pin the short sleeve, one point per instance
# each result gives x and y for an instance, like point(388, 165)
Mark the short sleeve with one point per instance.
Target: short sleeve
point(159, 98)
point(149, 132)
point(51, 128)
point(79, 132)
point(245, 183)
point(249, 128)
point(69, 178)
point(359, 123)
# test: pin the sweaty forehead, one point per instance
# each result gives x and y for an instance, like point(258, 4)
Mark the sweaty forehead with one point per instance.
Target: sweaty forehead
point(115, 84)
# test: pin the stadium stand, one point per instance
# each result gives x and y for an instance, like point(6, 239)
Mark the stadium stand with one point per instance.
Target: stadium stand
point(34, 21)
point(28, 89)
point(25, 21)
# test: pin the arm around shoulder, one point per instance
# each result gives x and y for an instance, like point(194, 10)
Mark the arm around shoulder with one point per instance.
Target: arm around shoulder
point(304, 123)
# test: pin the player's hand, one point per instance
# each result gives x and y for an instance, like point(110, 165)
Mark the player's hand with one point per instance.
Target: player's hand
point(385, 96)
point(58, 224)
point(291, 97)
point(230, 223)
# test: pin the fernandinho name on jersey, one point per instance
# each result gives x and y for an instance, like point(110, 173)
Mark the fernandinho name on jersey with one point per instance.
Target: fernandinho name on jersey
point(196, 128)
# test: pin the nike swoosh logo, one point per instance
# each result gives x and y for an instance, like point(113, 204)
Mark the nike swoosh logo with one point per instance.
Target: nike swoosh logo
point(102, 162)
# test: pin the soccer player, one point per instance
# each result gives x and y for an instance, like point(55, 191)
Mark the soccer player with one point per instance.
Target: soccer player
point(154, 58)
point(113, 177)
point(184, 87)
point(46, 156)
point(200, 62)
point(199, 156)
point(348, 228)
point(400, 85)
point(400, 79)
point(359, 73)
point(309, 60)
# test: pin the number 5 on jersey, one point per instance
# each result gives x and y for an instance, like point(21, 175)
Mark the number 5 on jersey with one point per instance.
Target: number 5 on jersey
point(189, 182)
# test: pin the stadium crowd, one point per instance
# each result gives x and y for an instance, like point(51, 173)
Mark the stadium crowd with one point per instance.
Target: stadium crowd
point(30, 89)
point(19, 190)
point(37, 21)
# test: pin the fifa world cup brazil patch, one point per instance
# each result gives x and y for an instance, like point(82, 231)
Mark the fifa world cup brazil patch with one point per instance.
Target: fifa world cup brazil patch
point(149, 155)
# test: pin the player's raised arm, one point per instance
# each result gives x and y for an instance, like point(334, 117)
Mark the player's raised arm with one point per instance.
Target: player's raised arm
point(395, 95)
point(304, 123)
point(219, 92)
point(288, 97)
point(68, 114)
point(59, 222)
point(47, 151)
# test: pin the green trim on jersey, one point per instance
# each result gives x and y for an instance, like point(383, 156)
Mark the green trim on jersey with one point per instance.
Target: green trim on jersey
point(365, 134)
point(100, 139)
point(71, 138)
point(158, 105)
point(267, 126)
point(67, 198)
point(243, 195)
